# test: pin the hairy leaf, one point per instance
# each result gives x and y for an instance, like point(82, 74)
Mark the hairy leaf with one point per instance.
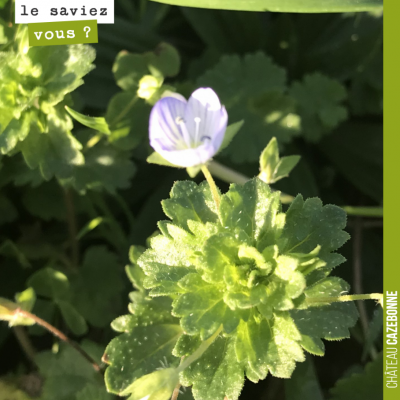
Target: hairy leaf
point(216, 374)
point(327, 321)
point(256, 273)
point(148, 348)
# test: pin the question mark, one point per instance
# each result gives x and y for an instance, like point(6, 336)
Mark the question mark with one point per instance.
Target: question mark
point(87, 30)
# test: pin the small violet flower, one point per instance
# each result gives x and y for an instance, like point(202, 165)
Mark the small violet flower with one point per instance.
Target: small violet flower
point(188, 133)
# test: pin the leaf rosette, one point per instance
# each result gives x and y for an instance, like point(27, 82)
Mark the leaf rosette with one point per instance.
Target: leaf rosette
point(243, 276)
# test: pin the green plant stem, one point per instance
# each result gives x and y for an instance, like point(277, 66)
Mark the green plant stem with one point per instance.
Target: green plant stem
point(12, 8)
point(59, 334)
point(124, 111)
point(227, 174)
point(213, 186)
point(357, 278)
point(26, 344)
point(349, 297)
point(199, 352)
point(175, 393)
point(376, 212)
point(72, 227)
point(104, 231)
point(118, 233)
point(126, 210)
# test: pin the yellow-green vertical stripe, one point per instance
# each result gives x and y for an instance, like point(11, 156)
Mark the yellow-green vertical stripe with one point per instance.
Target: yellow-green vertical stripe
point(391, 386)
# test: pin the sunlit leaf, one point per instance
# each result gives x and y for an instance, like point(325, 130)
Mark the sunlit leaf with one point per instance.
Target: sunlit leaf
point(96, 123)
point(276, 5)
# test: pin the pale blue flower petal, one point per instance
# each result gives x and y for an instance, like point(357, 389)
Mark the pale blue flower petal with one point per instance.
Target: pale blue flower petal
point(206, 118)
point(188, 133)
point(189, 157)
point(164, 130)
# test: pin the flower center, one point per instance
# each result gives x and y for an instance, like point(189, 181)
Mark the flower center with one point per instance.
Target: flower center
point(191, 139)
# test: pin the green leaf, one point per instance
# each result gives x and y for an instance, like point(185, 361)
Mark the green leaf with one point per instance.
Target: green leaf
point(203, 309)
point(155, 158)
point(26, 299)
point(148, 348)
point(44, 309)
point(216, 374)
point(128, 119)
point(105, 168)
point(255, 273)
point(223, 33)
point(165, 60)
point(7, 308)
point(3, 3)
point(361, 386)
point(10, 249)
point(303, 383)
point(312, 6)
point(220, 252)
point(33, 84)
point(190, 202)
point(50, 283)
point(309, 224)
point(67, 374)
point(62, 69)
point(144, 311)
point(55, 152)
point(319, 102)
point(129, 69)
point(158, 385)
point(253, 89)
point(45, 201)
point(8, 313)
point(272, 167)
point(264, 346)
point(90, 226)
point(230, 133)
point(134, 253)
point(285, 166)
point(193, 171)
point(8, 390)
point(366, 91)
point(73, 319)
point(269, 160)
point(253, 209)
point(96, 291)
point(17, 130)
point(93, 392)
point(329, 321)
point(134, 272)
point(96, 123)
point(255, 74)
point(186, 345)
point(8, 212)
point(165, 264)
